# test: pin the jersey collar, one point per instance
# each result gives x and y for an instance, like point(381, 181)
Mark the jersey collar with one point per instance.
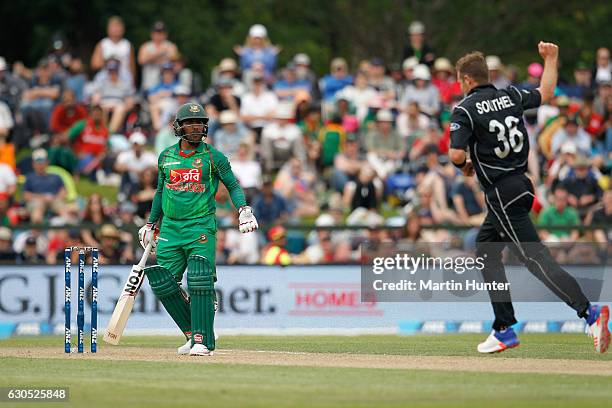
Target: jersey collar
point(198, 149)
point(480, 88)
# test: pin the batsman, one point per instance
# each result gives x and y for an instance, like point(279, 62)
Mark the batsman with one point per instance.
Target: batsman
point(189, 175)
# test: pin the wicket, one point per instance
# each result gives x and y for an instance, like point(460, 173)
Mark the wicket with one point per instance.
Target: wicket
point(81, 298)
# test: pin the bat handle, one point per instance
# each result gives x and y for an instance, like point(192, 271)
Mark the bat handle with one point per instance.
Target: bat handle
point(145, 255)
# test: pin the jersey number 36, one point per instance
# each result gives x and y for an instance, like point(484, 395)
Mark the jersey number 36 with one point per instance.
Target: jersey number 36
point(508, 135)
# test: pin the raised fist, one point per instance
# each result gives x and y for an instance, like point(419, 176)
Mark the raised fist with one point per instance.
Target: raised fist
point(548, 50)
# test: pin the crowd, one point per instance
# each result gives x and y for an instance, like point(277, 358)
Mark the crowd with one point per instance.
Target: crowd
point(360, 146)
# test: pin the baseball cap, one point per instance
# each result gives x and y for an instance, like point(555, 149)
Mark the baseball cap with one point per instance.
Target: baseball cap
point(338, 63)
point(2, 64)
point(167, 66)
point(112, 64)
point(493, 62)
point(138, 138)
point(227, 64)
point(301, 59)
point(443, 64)
point(258, 30)
point(421, 72)
point(228, 116)
point(384, 115)
point(39, 155)
point(276, 233)
point(158, 26)
point(416, 27)
point(410, 63)
point(582, 66)
point(535, 69)
point(378, 62)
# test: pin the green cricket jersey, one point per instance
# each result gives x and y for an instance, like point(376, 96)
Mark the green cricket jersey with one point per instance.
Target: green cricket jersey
point(187, 183)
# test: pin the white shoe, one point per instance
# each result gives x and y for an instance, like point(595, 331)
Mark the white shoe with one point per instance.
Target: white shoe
point(185, 348)
point(498, 341)
point(200, 350)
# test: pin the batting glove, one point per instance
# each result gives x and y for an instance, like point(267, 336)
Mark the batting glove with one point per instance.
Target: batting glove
point(246, 220)
point(148, 234)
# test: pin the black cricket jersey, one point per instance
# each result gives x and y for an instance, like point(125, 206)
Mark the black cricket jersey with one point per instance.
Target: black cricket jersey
point(489, 121)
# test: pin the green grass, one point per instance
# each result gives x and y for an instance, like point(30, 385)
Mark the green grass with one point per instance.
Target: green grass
point(164, 384)
point(87, 187)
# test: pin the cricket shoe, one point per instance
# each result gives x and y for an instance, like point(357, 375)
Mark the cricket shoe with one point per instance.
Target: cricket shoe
point(499, 341)
point(200, 350)
point(597, 322)
point(186, 348)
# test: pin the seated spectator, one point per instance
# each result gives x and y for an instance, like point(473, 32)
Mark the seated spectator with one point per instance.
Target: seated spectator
point(311, 124)
point(227, 68)
point(534, 73)
point(496, 72)
point(270, 206)
point(224, 209)
point(89, 137)
point(114, 45)
point(289, 85)
point(347, 164)
point(331, 138)
point(602, 216)
point(223, 99)
point(364, 192)
point(67, 112)
point(142, 194)
point(382, 83)
point(257, 49)
point(572, 132)
point(11, 86)
point(582, 187)
point(335, 81)
point(166, 85)
point(258, 106)
point(8, 180)
point(384, 145)
point(42, 191)
point(305, 73)
point(296, 185)
point(76, 79)
point(582, 81)
point(359, 95)
point(422, 92)
point(445, 81)
point(113, 94)
point(281, 140)
point(593, 122)
point(412, 233)
point(551, 118)
point(411, 123)
point(164, 110)
point(153, 53)
point(560, 213)
point(231, 133)
point(469, 201)
point(115, 249)
point(562, 166)
point(30, 254)
point(37, 102)
point(275, 252)
point(603, 66)
point(6, 120)
point(7, 254)
point(325, 250)
point(131, 163)
point(165, 137)
point(246, 170)
point(242, 249)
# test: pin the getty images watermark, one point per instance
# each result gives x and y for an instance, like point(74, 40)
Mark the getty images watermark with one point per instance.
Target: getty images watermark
point(435, 272)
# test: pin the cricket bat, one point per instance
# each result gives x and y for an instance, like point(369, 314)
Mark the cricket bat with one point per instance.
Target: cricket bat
point(124, 306)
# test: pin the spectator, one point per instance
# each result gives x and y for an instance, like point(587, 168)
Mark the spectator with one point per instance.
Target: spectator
point(603, 66)
point(550, 120)
point(114, 249)
point(113, 94)
point(165, 137)
point(246, 170)
point(411, 123)
point(582, 81)
point(30, 254)
point(305, 73)
point(311, 124)
point(335, 81)
point(384, 145)
point(275, 253)
point(602, 216)
point(582, 187)
point(445, 81)
point(562, 166)
point(574, 133)
point(7, 254)
point(7, 150)
point(6, 120)
point(231, 134)
point(496, 72)
point(289, 85)
point(347, 164)
point(43, 191)
point(296, 185)
point(223, 100)
point(11, 86)
point(281, 140)
point(423, 92)
point(37, 102)
point(131, 163)
point(325, 250)
point(412, 233)
point(242, 249)
point(258, 106)
point(165, 87)
point(534, 73)
point(8, 180)
point(364, 192)
point(67, 112)
point(269, 206)
point(417, 46)
point(227, 68)
point(469, 201)
point(117, 47)
point(382, 83)
point(593, 122)
point(164, 110)
point(76, 79)
point(257, 48)
point(142, 194)
point(559, 214)
point(89, 138)
point(331, 138)
point(359, 95)
point(153, 53)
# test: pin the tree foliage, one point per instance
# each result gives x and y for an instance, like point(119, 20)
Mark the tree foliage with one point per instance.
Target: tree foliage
point(206, 30)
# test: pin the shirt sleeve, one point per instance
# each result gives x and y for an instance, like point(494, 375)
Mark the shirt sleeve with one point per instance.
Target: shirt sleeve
point(227, 177)
point(76, 129)
point(156, 206)
point(527, 99)
point(461, 128)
